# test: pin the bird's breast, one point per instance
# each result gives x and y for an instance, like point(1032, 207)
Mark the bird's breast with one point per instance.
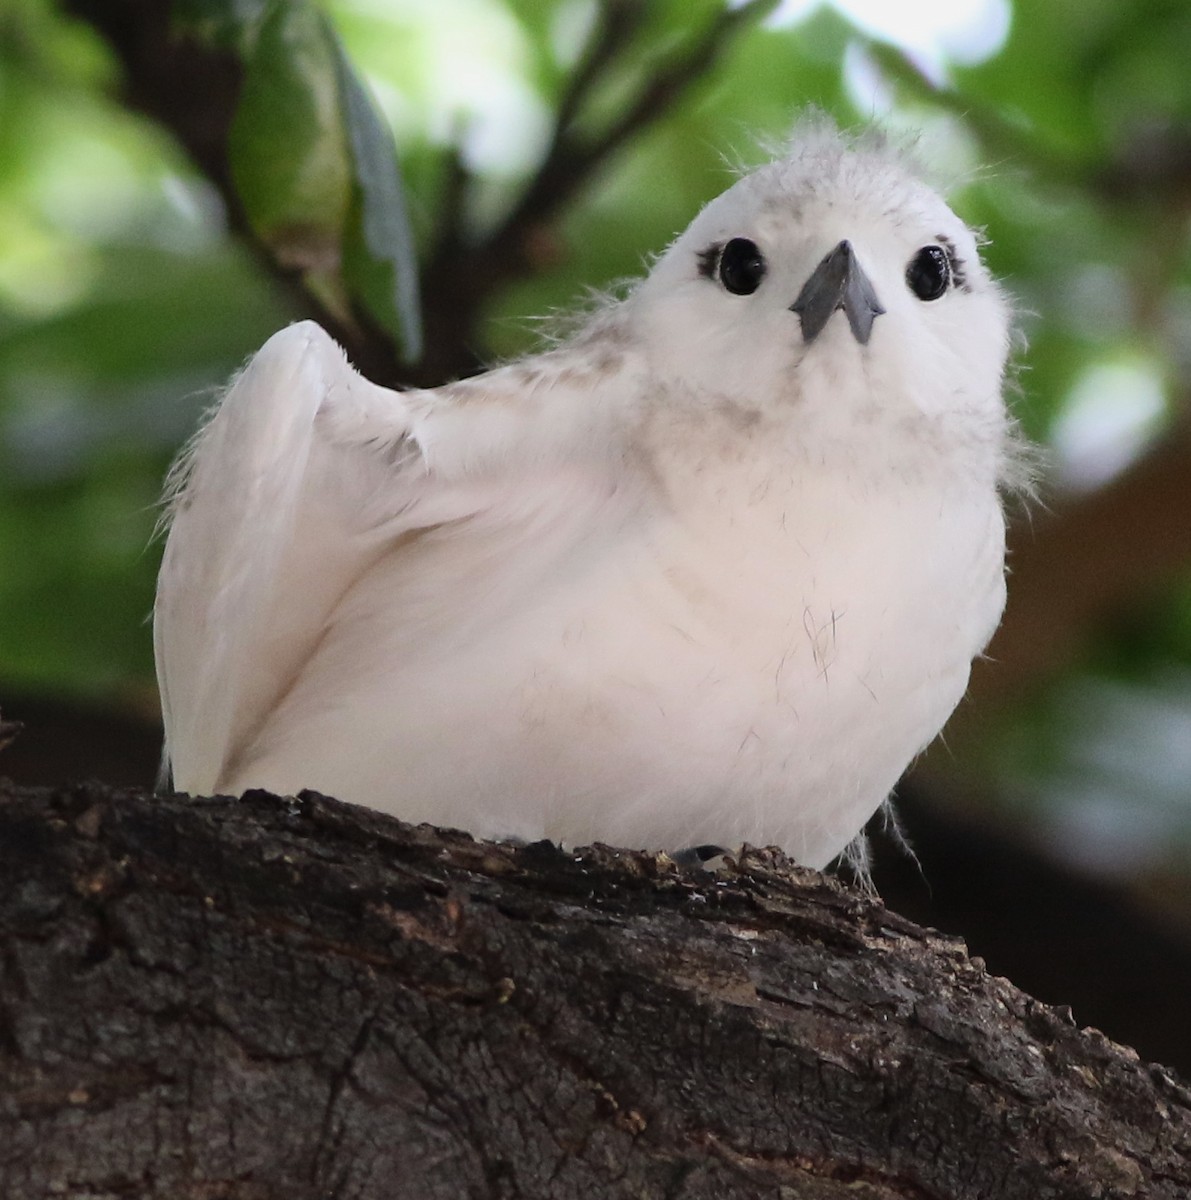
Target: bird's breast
point(775, 662)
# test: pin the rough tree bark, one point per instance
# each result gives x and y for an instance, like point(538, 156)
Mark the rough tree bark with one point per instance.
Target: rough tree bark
point(258, 998)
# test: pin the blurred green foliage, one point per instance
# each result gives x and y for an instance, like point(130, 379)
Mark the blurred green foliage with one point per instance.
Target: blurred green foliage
point(124, 302)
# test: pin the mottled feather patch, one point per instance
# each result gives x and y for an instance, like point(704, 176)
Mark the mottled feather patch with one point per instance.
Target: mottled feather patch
point(738, 415)
point(606, 361)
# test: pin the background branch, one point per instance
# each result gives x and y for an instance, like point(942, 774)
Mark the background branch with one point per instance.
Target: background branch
point(463, 277)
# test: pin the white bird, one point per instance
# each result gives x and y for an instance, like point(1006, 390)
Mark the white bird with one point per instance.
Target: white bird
point(712, 570)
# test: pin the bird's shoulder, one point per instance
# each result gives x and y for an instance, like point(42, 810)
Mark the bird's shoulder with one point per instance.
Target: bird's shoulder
point(574, 400)
point(588, 363)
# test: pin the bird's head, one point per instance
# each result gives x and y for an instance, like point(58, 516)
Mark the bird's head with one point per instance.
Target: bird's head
point(833, 277)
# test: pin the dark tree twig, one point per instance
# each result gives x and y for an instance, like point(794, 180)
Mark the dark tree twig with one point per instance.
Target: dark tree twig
point(462, 278)
point(1152, 166)
point(618, 22)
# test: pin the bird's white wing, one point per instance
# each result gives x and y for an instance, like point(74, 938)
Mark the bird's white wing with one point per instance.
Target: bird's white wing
point(281, 500)
point(235, 502)
point(304, 477)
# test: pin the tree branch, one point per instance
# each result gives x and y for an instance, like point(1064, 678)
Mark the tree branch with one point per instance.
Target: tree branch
point(618, 22)
point(461, 279)
point(671, 79)
point(263, 997)
point(1150, 166)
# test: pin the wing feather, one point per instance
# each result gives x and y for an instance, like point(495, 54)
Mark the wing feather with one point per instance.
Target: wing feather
point(265, 535)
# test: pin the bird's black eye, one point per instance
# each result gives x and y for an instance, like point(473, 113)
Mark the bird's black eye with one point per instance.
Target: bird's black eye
point(742, 267)
point(929, 273)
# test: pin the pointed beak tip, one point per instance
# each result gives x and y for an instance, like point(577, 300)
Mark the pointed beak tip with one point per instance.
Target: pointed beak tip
point(838, 282)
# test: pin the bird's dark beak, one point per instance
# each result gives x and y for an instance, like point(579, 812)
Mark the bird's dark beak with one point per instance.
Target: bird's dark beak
point(838, 282)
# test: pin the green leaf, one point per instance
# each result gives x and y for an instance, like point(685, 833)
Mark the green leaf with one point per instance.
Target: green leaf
point(315, 167)
point(289, 156)
point(384, 225)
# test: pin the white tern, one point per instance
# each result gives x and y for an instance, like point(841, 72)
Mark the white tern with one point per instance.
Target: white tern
point(712, 569)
